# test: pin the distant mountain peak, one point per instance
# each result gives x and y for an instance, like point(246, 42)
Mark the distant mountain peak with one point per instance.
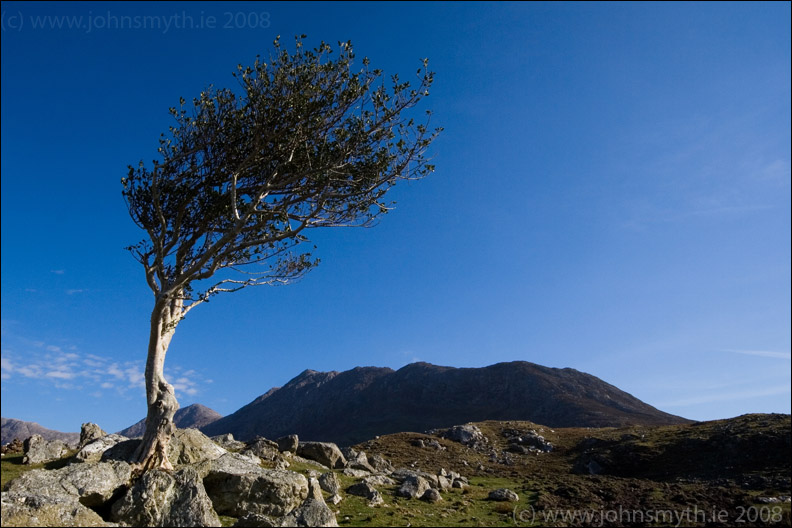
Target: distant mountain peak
point(193, 416)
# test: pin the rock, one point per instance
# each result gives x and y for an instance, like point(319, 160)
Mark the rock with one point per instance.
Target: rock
point(94, 450)
point(325, 453)
point(288, 443)
point(311, 513)
point(254, 520)
point(190, 446)
point(468, 435)
point(93, 484)
point(443, 483)
point(356, 473)
point(329, 482)
point(268, 492)
point(413, 487)
point(314, 489)
point(362, 489)
point(431, 495)
point(380, 464)
point(14, 446)
point(301, 460)
point(418, 442)
point(38, 510)
point(379, 480)
point(160, 498)
point(503, 494)
point(529, 441)
point(88, 433)
point(264, 449)
point(227, 442)
point(37, 450)
point(335, 499)
point(357, 460)
point(231, 463)
point(458, 484)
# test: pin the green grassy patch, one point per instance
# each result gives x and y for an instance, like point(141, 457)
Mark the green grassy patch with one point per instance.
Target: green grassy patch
point(11, 467)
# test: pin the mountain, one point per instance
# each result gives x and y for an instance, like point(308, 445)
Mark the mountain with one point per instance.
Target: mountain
point(193, 416)
point(356, 405)
point(11, 428)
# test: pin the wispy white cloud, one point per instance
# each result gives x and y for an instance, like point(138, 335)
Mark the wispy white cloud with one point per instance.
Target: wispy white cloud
point(72, 292)
point(73, 371)
point(761, 353)
point(58, 272)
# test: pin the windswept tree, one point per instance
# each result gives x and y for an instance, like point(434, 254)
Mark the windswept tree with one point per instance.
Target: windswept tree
point(306, 141)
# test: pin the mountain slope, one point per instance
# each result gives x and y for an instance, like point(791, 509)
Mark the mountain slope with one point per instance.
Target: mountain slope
point(353, 406)
point(193, 416)
point(11, 428)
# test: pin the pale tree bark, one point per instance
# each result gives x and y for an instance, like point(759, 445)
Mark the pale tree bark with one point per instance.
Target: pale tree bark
point(153, 450)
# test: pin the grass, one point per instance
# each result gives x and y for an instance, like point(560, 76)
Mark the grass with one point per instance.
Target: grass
point(11, 467)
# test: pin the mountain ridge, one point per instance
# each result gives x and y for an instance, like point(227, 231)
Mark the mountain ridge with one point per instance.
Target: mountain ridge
point(355, 405)
point(11, 428)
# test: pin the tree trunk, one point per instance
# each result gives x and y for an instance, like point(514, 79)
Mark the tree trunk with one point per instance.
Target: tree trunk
point(162, 404)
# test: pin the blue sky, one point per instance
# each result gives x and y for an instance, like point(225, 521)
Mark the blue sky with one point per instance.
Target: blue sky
point(612, 194)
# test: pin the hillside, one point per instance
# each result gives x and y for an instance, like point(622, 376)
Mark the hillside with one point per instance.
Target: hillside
point(193, 416)
point(11, 428)
point(356, 405)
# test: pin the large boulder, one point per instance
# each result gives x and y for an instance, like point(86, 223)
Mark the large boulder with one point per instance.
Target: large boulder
point(288, 443)
point(40, 510)
point(236, 489)
point(264, 449)
point(367, 491)
point(190, 446)
point(311, 513)
point(325, 453)
point(93, 451)
point(503, 495)
point(227, 442)
point(380, 464)
point(413, 487)
point(88, 433)
point(329, 482)
point(160, 498)
point(468, 435)
point(37, 450)
point(93, 484)
point(357, 460)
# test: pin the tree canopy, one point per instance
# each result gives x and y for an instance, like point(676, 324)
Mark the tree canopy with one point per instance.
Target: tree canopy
point(307, 142)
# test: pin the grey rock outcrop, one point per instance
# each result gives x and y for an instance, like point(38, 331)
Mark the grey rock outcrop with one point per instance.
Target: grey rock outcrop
point(88, 433)
point(413, 487)
point(329, 482)
point(468, 435)
point(311, 513)
point(264, 449)
point(160, 498)
point(325, 453)
point(92, 484)
point(39, 510)
point(288, 443)
point(190, 446)
point(38, 450)
point(236, 490)
point(503, 494)
point(93, 451)
point(227, 441)
point(431, 495)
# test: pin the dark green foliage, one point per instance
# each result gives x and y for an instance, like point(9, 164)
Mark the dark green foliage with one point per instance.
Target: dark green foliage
point(305, 142)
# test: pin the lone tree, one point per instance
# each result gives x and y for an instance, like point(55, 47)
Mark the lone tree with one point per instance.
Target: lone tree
point(305, 142)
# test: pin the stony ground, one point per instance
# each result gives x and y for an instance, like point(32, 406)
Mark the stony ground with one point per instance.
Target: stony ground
point(723, 473)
